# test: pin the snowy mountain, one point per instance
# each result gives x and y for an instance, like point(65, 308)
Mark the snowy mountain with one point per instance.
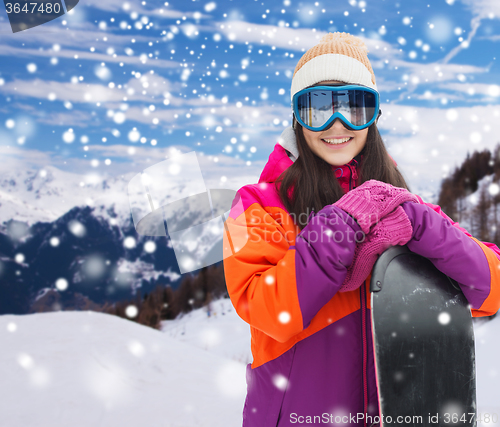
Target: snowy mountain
point(86, 254)
point(46, 194)
point(43, 195)
point(85, 368)
point(57, 225)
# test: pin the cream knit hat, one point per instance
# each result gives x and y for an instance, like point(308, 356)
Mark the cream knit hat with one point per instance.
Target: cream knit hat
point(338, 56)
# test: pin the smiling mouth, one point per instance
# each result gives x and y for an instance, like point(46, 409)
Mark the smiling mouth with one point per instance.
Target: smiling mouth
point(337, 141)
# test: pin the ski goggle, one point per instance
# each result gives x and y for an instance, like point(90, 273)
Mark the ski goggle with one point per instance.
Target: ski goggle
point(317, 107)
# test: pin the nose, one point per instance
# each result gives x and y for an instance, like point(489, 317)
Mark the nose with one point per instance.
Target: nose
point(337, 123)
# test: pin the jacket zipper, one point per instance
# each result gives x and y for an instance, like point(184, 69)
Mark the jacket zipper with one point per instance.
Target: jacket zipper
point(352, 184)
point(354, 175)
point(365, 350)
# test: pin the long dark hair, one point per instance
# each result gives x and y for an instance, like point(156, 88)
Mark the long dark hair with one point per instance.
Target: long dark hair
point(310, 182)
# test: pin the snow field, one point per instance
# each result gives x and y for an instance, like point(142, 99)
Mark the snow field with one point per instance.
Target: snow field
point(222, 333)
point(85, 369)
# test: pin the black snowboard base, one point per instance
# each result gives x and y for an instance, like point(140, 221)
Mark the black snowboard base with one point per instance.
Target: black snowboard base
point(423, 343)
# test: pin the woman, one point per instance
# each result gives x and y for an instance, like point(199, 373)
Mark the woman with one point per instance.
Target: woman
point(302, 242)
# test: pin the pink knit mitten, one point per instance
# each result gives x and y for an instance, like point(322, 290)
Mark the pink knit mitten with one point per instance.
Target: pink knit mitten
point(394, 229)
point(372, 201)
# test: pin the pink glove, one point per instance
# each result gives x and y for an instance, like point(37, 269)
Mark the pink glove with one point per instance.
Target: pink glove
point(372, 201)
point(394, 229)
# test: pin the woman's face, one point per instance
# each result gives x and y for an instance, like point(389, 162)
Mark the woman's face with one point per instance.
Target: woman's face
point(336, 145)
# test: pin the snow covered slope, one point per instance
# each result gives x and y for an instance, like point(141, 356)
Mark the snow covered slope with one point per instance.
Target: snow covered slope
point(216, 328)
point(84, 369)
point(488, 370)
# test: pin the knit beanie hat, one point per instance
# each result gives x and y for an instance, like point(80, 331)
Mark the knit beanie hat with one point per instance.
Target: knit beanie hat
point(338, 56)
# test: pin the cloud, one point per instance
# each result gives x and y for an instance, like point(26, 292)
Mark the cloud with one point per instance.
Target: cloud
point(300, 39)
point(141, 60)
point(136, 6)
point(491, 38)
point(229, 116)
point(115, 5)
point(281, 37)
point(176, 14)
point(74, 118)
point(491, 92)
point(436, 71)
point(67, 44)
point(438, 96)
point(384, 85)
point(80, 34)
point(73, 92)
point(483, 8)
point(16, 158)
point(475, 24)
point(81, 92)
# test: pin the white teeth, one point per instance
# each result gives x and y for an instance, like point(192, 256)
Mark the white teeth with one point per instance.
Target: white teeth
point(336, 141)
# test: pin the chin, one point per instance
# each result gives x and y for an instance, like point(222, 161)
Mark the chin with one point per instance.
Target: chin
point(338, 160)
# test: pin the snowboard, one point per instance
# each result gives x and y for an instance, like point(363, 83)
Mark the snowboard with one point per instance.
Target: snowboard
point(423, 343)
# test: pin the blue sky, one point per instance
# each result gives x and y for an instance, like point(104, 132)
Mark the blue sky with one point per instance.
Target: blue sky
point(112, 86)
